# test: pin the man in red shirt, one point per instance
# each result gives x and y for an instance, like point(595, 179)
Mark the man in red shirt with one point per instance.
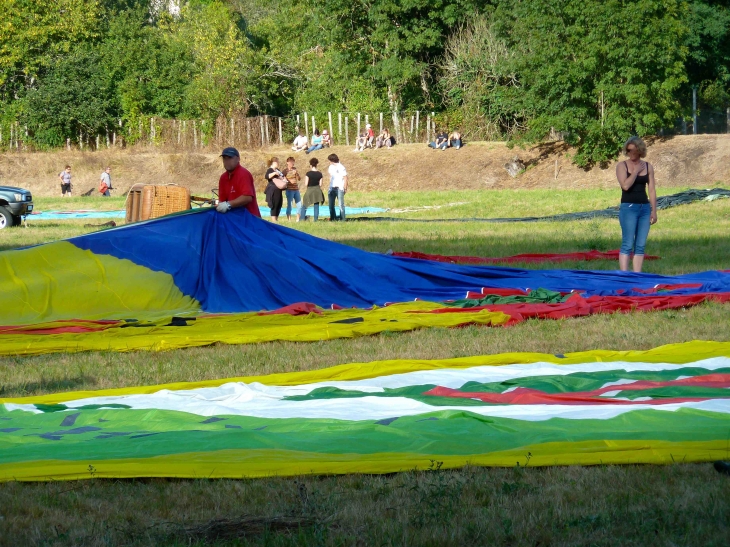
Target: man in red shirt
point(235, 187)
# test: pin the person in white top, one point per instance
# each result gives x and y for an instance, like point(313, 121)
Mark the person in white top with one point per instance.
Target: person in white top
point(338, 186)
point(65, 177)
point(105, 182)
point(300, 143)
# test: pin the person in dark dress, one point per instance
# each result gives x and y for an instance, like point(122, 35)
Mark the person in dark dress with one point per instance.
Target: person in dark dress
point(274, 195)
point(638, 210)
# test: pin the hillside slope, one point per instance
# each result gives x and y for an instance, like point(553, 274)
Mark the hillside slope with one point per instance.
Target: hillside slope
point(684, 161)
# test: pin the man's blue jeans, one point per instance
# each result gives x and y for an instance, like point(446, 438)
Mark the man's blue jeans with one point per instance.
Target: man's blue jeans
point(635, 220)
point(337, 194)
point(296, 197)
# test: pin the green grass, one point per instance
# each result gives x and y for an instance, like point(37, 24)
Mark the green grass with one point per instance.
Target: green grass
point(612, 505)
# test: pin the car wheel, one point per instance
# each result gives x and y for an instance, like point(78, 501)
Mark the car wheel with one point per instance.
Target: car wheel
point(6, 218)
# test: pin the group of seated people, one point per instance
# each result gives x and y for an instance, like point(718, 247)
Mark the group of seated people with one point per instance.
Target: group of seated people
point(444, 140)
point(367, 139)
point(319, 141)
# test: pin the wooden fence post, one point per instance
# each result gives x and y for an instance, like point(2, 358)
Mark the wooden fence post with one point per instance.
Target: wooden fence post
point(381, 122)
point(248, 131)
point(306, 126)
point(433, 125)
point(68, 144)
point(297, 124)
point(339, 126)
point(261, 123)
point(281, 135)
point(417, 114)
point(367, 120)
point(97, 142)
point(347, 131)
point(358, 127)
point(428, 128)
point(266, 128)
point(314, 126)
point(332, 137)
point(195, 134)
point(233, 132)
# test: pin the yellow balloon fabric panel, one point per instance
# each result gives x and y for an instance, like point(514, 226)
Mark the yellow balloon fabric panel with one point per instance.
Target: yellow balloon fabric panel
point(60, 281)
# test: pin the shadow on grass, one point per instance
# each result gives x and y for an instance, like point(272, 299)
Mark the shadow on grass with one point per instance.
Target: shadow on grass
point(47, 386)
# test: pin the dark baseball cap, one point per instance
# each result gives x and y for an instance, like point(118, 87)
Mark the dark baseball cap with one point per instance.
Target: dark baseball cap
point(231, 152)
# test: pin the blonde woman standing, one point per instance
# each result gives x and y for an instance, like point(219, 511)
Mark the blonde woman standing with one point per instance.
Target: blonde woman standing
point(638, 210)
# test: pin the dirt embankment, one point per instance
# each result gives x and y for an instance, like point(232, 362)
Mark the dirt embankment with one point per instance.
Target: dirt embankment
point(685, 161)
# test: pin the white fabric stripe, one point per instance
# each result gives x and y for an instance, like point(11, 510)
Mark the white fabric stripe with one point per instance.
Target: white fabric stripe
point(264, 401)
point(240, 400)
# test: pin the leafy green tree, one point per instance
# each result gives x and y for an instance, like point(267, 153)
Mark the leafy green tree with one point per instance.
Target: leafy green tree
point(598, 70)
point(149, 64)
point(75, 97)
point(708, 42)
point(225, 65)
point(36, 34)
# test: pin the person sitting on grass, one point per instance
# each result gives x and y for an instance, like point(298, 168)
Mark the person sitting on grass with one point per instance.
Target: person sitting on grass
point(442, 141)
point(384, 139)
point(316, 142)
point(300, 143)
point(361, 142)
point(371, 136)
point(455, 139)
point(326, 139)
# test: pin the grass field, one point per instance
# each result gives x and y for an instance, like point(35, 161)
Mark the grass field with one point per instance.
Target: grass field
point(606, 505)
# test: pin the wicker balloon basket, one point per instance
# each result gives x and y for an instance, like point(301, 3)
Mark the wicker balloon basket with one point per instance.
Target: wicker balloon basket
point(146, 201)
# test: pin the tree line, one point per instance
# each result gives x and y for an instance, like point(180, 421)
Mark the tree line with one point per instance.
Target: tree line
point(593, 71)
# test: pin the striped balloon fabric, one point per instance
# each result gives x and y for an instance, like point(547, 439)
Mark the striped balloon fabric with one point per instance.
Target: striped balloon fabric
point(669, 404)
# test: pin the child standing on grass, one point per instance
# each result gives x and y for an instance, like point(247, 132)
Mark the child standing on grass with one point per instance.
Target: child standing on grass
point(314, 195)
point(338, 186)
point(292, 188)
point(65, 177)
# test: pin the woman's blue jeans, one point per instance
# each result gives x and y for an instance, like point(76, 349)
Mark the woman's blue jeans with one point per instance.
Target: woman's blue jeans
point(296, 197)
point(315, 148)
point(316, 212)
point(337, 194)
point(635, 220)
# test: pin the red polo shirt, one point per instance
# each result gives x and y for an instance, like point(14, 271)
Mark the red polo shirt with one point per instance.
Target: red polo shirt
point(238, 183)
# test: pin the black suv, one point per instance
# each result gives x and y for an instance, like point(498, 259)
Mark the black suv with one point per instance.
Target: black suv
point(14, 203)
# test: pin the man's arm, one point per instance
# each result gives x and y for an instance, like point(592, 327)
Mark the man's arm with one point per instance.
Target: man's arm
point(240, 201)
